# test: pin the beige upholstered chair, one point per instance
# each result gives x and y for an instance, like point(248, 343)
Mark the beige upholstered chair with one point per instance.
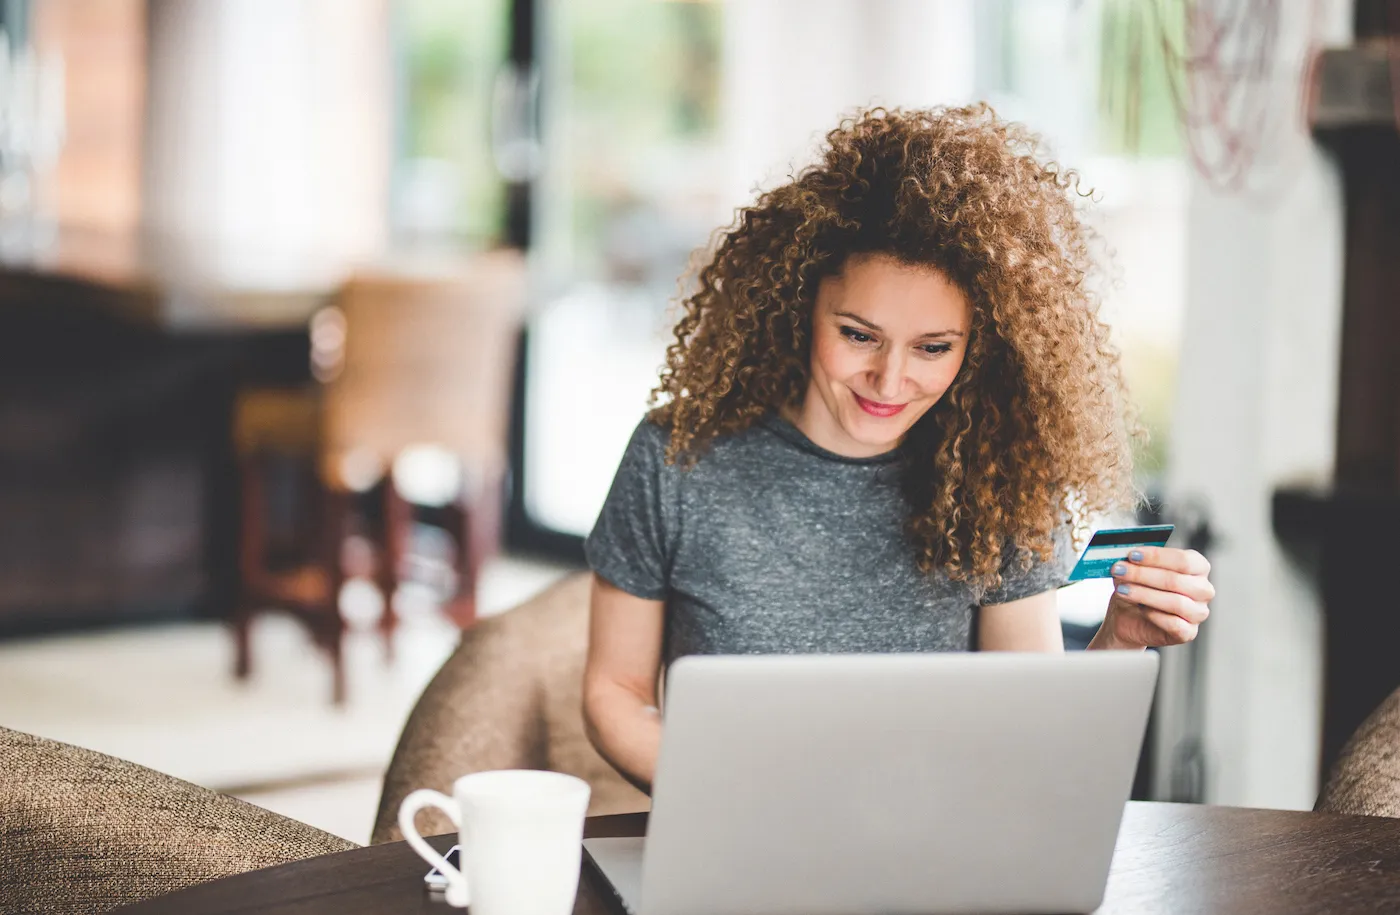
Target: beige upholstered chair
point(426, 359)
point(82, 833)
point(1366, 777)
point(510, 697)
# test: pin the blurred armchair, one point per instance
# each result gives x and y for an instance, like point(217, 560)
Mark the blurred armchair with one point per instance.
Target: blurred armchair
point(1366, 776)
point(81, 832)
point(510, 697)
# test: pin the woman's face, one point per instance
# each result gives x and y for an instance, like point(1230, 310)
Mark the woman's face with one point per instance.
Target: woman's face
point(887, 341)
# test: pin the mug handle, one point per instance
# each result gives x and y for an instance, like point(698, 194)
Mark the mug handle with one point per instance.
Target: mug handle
point(457, 894)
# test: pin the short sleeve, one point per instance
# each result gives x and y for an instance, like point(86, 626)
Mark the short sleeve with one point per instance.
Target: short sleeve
point(1041, 576)
point(632, 542)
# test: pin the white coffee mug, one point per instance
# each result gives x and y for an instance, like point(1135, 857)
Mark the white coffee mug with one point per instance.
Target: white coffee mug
point(521, 833)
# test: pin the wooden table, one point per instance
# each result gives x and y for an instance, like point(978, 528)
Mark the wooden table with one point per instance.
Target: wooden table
point(1171, 858)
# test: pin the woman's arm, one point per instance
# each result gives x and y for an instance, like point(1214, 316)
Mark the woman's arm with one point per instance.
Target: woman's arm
point(1029, 624)
point(620, 680)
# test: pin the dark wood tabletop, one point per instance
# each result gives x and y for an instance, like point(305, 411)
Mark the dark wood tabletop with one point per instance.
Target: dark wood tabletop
point(1171, 858)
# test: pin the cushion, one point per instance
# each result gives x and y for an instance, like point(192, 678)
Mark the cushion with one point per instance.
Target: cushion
point(81, 832)
point(1366, 777)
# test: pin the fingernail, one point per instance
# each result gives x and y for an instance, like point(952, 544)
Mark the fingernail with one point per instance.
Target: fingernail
point(1119, 568)
point(1135, 555)
point(1123, 589)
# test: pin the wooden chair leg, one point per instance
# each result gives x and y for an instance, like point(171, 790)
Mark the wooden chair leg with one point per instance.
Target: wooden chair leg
point(461, 609)
point(335, 646)
point(460, 606)
point(328, 633)
point(337, 509)
point(252, 543)
point(398, 528)
point(242, 624)
point(478, 533)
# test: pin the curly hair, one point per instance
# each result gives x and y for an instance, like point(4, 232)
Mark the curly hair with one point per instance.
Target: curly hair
point(1036, 429)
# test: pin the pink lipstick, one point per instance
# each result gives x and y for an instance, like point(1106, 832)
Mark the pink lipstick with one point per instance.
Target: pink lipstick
point(875, 408)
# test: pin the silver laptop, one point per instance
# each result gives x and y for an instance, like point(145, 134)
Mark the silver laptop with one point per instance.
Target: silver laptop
point(932, 783)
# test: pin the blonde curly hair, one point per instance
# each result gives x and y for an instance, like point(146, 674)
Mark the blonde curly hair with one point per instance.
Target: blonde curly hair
point(1036, 428)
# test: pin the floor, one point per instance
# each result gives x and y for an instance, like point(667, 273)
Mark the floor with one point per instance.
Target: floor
point(163, 696)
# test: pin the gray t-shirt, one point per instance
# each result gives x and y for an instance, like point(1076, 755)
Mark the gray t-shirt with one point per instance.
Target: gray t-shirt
point(771, 544)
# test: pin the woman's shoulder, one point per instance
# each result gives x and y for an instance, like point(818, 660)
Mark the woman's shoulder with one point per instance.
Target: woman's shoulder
point(653, 434)
point(650, 439)
point(646, 450)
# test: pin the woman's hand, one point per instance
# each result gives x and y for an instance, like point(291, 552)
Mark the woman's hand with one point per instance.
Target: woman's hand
point(1159, 598)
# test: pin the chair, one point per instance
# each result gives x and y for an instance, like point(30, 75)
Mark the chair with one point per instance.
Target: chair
point(408, 359)
point(511, 696)
point(81, 832)
point(427, 361)
point(1365, 779)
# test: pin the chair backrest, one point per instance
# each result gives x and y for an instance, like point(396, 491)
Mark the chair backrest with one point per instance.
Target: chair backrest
point(426, 358)
point(510, 697)
point(81, 832)
point(1366, 776)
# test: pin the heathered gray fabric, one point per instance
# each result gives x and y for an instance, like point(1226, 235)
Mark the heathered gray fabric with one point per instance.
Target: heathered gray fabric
point(772, 544)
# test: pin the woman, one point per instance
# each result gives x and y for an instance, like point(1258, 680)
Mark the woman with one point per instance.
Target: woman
point(889, 397)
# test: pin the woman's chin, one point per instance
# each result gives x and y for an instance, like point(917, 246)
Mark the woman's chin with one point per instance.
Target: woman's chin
point(876, 436)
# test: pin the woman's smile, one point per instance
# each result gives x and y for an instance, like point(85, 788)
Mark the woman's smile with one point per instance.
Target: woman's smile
point(875, 408)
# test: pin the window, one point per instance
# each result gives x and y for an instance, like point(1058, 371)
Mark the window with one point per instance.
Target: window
point(448, 55)
point(631, 188)
point(1088, 75)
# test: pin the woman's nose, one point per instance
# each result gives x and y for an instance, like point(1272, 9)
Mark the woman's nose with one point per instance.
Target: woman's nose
point(888, 379)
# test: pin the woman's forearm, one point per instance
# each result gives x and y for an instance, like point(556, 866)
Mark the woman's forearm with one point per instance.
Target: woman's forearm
point(625, 729)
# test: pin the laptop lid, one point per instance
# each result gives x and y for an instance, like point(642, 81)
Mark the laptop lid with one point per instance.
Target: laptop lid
point(987, 782)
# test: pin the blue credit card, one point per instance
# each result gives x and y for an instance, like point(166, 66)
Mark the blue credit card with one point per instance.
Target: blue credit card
point(1112, 544)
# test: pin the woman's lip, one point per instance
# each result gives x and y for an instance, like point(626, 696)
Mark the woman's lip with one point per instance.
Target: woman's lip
point(875, 408)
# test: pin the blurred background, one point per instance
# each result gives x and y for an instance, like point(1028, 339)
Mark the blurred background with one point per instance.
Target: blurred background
point(324, 323)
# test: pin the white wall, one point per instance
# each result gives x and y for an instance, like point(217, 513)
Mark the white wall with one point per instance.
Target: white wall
point(793, 68)
point(269, 133)
point(1256, 408)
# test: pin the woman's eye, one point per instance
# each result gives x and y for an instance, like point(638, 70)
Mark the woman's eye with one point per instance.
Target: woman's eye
point(936, 349)
point(850, 333)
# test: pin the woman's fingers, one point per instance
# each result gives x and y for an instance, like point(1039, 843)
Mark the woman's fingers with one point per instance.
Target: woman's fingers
point(1196, 587)
point(1171, 602)
point(1175, 627)
point(1184, 562)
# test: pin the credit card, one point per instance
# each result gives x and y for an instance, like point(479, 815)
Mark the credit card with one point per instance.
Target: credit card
point(1112, 544)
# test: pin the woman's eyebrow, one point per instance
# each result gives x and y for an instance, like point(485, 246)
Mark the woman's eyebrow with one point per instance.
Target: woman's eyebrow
point(875, 327)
